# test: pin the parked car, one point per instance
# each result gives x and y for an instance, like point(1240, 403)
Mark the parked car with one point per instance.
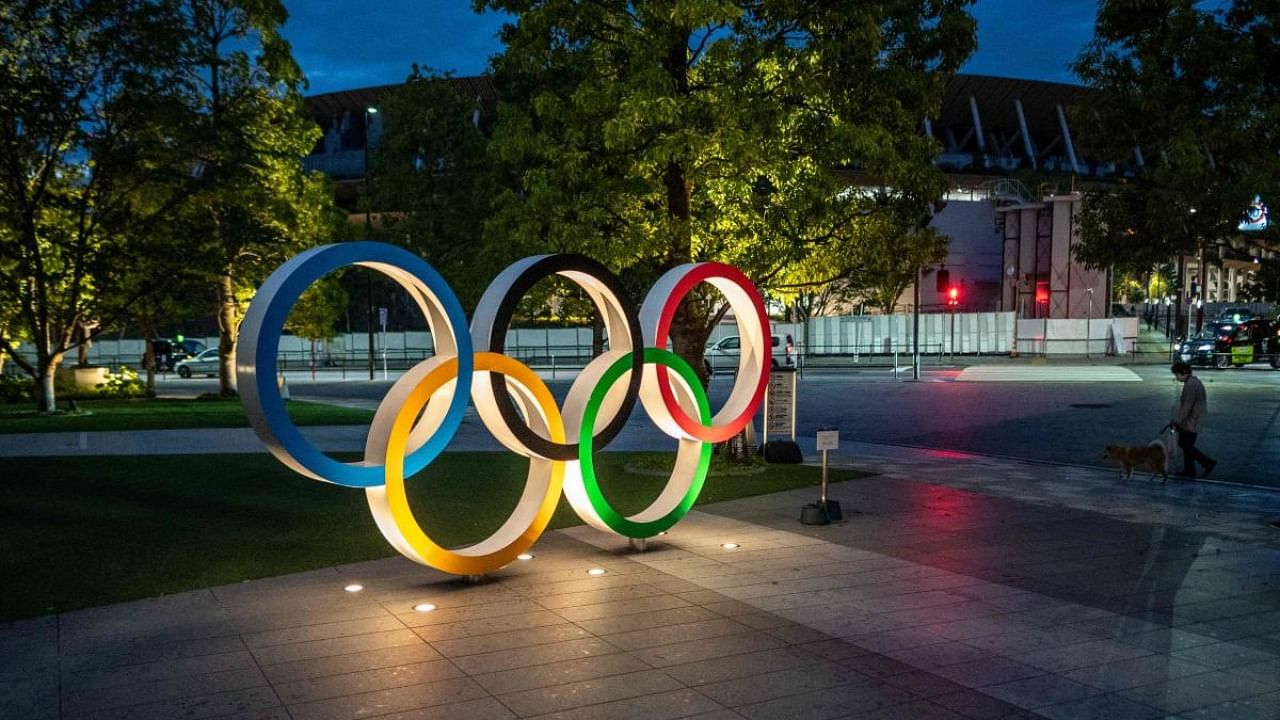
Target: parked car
point(206, 363)
point(1224, 344)
point(169, 352)
point(723, 355)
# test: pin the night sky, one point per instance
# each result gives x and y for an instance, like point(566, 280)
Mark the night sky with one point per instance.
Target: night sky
point(344, 44)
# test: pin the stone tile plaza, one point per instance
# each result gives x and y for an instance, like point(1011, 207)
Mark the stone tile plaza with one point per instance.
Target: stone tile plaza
point(958, 586)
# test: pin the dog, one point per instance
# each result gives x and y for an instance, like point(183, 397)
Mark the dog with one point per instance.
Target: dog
point(1153, 457)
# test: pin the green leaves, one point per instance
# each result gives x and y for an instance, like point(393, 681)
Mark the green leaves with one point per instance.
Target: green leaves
point(316, 314)
point(146, 142)
point(654, 133)
point(1193, 87)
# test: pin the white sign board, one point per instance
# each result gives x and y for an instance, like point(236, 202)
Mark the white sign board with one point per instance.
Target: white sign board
point(828, 440)
point(1118, 344)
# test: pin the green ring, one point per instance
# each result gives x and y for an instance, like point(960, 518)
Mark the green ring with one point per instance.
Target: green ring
point(610, 517)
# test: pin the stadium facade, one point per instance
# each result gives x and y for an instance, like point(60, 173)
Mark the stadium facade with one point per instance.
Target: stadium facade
point(1011, 246)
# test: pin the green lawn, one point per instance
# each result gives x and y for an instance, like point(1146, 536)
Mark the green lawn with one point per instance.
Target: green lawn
point(164, 414)
point(87, 531)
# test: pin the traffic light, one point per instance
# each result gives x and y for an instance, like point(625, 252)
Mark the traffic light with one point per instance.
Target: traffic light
point(944, 279)
point(953, 296)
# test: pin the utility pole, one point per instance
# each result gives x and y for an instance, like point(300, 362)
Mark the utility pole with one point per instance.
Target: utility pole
point(1203, 274)
point(369, 112)
point(915, 329)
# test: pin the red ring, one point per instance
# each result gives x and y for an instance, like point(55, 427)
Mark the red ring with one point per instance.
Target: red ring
point(691, 426)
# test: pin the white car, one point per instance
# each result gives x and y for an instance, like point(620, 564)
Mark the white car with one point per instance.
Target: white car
point(206, 363)
point(723, 355)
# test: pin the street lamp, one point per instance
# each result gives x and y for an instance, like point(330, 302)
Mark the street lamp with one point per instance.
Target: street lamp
point(1088, 324)
point(369, 112)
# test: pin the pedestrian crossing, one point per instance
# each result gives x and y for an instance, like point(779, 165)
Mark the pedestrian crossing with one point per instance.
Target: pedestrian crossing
point(1048, 374)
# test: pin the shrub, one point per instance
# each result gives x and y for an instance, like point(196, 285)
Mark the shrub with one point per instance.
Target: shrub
point(122, 384)
point(16, 389)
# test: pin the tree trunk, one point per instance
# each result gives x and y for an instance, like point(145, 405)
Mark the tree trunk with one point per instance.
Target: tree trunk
point(597, 334)
point(149, 355)
point(228, 329)
point(46, 396)
point(689, 333)
point(689, 328)
point(46, 372)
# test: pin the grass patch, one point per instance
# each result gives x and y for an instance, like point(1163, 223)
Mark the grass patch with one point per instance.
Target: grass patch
point(88, 531)
point(165, 414)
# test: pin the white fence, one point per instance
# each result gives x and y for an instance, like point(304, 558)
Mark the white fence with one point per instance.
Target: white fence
point(849, 335)
point(856, 335)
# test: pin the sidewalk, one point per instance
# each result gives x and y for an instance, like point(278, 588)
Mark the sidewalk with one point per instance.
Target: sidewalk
point(959, 586)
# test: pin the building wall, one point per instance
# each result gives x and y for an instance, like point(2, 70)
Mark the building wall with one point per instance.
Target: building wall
point(1041, 277)
point(973, 256)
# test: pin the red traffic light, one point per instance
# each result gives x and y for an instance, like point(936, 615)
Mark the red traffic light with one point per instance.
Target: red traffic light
point(953, 295)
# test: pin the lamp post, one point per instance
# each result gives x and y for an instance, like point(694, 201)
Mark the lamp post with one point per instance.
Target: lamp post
point(915, 329)
point(1088, 323)
point(369, 112)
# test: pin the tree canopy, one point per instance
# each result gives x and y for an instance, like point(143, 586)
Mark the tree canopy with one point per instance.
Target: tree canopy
point(651, 134)
point(1188, 91)
point(435, 179)
point(143, 143)
point(91, 131)
point(256, 205)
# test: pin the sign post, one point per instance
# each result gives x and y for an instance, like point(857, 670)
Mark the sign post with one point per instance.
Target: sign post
point(826, 509)
point(780, 417)
point(382, 320)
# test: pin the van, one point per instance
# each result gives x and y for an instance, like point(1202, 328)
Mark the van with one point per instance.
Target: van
point(723, 355)
point(169, 352)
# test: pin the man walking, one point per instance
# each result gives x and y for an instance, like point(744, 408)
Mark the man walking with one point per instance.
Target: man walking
point(1191, 408)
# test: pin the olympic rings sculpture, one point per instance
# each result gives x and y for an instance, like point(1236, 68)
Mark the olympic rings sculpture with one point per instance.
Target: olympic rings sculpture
point(423, 410)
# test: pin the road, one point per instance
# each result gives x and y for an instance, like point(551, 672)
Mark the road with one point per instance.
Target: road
point(1046, 421)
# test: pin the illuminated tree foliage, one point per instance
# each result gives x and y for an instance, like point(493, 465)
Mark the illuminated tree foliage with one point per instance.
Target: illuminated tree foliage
point(256, 205)
point(91, 124)
point(143, 143)
point(316, 314)
point(651, 134)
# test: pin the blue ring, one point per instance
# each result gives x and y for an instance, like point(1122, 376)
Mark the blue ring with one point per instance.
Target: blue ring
point(263, 325)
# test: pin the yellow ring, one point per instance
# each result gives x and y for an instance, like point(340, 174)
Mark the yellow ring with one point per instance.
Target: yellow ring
point(481, 557)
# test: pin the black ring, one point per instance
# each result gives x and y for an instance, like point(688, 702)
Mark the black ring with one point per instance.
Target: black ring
point(558, 265)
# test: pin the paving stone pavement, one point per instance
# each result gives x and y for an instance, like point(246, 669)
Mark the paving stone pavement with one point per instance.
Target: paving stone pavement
point(959, 586)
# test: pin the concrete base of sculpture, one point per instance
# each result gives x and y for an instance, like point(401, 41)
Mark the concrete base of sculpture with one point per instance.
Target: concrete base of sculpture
point(82, 377)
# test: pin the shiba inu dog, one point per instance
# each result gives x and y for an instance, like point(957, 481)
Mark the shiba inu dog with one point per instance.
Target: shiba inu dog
point(1152, 457)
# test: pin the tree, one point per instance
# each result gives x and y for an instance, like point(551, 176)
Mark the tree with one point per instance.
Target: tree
point(315, 316)
point(1192, 89)
point(434, 177)
point(875, 264)
point(651, 134)
point(91, 138)
point(256, 205)
point(1265, 284)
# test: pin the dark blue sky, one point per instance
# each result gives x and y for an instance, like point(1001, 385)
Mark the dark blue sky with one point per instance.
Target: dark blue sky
point(344, 44)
